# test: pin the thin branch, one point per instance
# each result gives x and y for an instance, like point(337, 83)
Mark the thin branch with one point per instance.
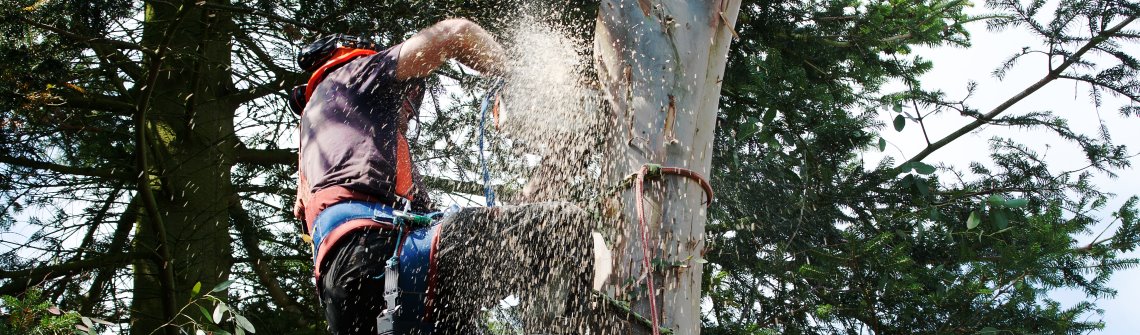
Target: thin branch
point(262, 189)
point(247, 232)
point(1130, 95)
point(249, 94)
point(73, 99)
point(270, 16)
point(64, 169)
point(266, 157)
point(118, 243)
point(22, 279)
point(1053, 75)
point(97, 221)
point(284, 76)
point(85, 39)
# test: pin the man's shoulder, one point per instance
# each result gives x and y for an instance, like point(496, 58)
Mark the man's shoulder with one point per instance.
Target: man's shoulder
point(380, 65)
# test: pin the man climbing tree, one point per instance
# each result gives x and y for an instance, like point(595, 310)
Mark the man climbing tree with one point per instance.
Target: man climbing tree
point(358, 184)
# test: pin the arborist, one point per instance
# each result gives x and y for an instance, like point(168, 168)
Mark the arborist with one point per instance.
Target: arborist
point(380, 266)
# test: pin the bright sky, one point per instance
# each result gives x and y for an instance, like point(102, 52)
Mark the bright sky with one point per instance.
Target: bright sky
point(954, 68)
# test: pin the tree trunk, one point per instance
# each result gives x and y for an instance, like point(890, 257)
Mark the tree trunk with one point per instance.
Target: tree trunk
point(192, 141)
point(660, 64)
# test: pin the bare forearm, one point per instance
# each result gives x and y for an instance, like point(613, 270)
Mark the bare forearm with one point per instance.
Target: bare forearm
point(457, 39)
point(476, 48)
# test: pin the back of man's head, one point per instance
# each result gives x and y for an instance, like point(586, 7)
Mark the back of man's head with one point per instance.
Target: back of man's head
point(312, 56)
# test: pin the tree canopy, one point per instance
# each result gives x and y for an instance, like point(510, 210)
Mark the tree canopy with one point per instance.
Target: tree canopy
point(147, 164)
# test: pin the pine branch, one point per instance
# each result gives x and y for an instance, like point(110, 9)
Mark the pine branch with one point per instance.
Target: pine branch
point(64, 169)
point(22, 279)
point(90, 101)
point(247, 233)
point(1050, 77)
point(266, 157)
point(270, 16)
point(118, 243)
point(284, 78)
point(84, 39)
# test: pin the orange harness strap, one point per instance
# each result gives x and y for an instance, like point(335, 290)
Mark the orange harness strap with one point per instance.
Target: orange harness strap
point(341, 57)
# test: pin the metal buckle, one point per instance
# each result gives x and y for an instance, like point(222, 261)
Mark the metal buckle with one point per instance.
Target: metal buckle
point(386, 321)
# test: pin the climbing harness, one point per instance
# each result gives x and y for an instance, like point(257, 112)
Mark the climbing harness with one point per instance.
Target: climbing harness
point(388, 322)
point(488, 103)
point(656, 171)
point(410, 251)
point(409, 273)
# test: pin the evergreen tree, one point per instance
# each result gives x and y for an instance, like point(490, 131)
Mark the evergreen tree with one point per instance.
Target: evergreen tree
point(145, 158)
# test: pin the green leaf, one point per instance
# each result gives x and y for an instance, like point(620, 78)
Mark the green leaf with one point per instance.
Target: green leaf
point(219, 312)
point(907, 181)
point(897, 108)
point(747, 129)
point(769, 115)
point(988, 331)
point(197, 288)
point(882, 144)
point(906, 168)
point(206, 314)
point(87, 326)
point(923, 168)
point(1001, 219)
point(900, 123)
point(996, 200)
point(222, 286)
point(244, 323)
point(239, 331)
point(1017, 202)
point(973, 221)
point(923, 188)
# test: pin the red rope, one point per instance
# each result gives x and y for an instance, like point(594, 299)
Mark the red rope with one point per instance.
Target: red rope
point(638, 203)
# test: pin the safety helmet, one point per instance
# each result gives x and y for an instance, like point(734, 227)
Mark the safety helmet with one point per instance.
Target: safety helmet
point(312, 56)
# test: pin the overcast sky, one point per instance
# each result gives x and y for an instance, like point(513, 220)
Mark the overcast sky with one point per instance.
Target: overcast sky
point(955, 67)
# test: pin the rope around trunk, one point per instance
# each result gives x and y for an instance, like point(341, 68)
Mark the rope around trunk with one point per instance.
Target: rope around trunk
point(656, 171)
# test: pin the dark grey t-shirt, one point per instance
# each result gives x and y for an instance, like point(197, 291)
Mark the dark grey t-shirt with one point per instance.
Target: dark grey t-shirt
point(349, 127)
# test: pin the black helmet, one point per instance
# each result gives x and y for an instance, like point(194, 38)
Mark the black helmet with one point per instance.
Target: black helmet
point(317, 53)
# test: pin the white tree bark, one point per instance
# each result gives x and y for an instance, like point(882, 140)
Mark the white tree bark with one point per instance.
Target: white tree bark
point(660, 65)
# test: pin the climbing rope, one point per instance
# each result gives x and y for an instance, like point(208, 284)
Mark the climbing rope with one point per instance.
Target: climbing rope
point(488, 102)
point(656, 171)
